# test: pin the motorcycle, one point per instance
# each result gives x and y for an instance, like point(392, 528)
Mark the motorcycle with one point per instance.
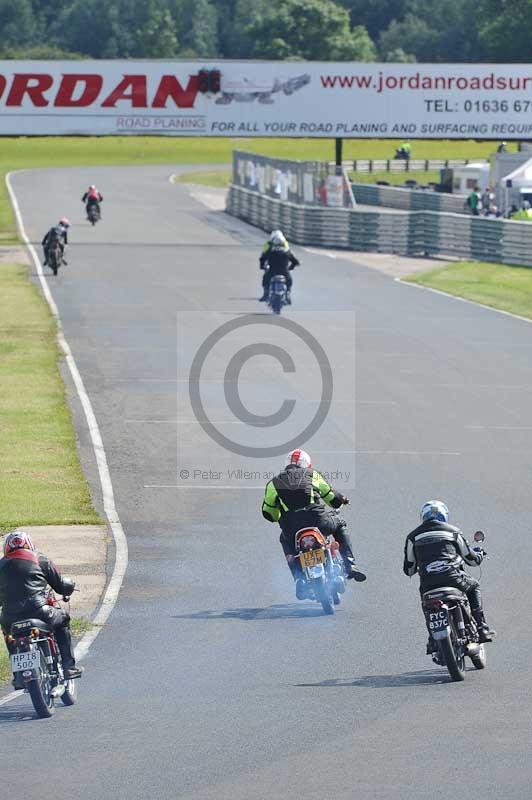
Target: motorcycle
point(322, 567)
point(36, 663)
point(278, 296)
point(55, 257)
point(93, 213)
point(453, 628)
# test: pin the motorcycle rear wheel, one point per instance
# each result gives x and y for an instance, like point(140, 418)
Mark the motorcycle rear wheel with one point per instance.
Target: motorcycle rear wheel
point(322, 594)
point(40, 692)
point(455, 666)
point(276, 304)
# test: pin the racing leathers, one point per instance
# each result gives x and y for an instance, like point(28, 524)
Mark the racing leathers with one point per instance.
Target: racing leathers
point(276, 260)
point(92, 197)
point(55, 234)
point(24, 578)
point(439, 553)
point(295, 499)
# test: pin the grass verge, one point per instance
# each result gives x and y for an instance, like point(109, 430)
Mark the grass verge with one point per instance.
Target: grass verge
point(42, 482)
point(497, 285)
point(219, 177)
point(33, 152)
point(78, 625)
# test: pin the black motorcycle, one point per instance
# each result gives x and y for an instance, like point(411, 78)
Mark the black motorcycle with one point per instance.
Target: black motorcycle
point(36, 663)
point(453, 628)
point(278, 296)
point(55, 257)
point(93, 213)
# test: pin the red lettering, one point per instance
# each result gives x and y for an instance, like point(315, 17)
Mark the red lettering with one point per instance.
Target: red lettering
point(138, 93)
point(2, 85)
point(32, 84)
point(170, 87)
point(92, 85)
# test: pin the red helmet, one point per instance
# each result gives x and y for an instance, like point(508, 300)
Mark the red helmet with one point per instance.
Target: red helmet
point(64, 222)
point(300, 458)
point(18, 540)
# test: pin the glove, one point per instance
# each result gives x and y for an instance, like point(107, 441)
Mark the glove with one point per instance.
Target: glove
point(345, 501)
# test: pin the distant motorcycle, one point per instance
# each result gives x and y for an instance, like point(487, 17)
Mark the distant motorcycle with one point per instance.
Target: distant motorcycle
point(55, 257)
point(453, 627)
point(322, 567)
point(278, 294)
point(36, 663)
point(93, 213)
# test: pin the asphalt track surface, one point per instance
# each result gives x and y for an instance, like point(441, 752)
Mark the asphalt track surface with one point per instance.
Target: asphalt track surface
point(210, 680)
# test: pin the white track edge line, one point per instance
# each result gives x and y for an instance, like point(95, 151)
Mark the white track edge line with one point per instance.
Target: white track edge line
point(462, 299)
point(121, 549)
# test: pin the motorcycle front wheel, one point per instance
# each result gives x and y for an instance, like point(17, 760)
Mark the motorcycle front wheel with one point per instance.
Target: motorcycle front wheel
point(322, 594)
point(68, 698)
point(479, 660)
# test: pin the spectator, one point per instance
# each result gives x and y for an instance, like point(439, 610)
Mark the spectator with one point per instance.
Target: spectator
point(487, 200)
point(502, 148)
point(473, 202)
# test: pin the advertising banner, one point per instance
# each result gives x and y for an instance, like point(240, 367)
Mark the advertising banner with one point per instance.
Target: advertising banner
point(277, 98)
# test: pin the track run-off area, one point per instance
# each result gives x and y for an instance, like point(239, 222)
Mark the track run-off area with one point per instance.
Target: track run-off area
point(209, 680)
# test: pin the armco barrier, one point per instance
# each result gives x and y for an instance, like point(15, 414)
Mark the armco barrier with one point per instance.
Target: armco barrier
point(408, 199)
point(405, 233)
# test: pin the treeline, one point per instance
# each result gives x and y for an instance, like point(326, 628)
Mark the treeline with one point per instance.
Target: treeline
point(357, 30)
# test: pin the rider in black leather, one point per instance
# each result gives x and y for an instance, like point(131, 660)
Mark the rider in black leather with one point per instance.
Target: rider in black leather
point(439, 552)
point(25, 575)
point(279, 259)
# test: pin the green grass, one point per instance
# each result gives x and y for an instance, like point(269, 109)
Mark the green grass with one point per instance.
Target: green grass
point(497, 285)
point(42, 482)
point(78, 625)
point(30, 153)
point(219, 177)
point(396, 178)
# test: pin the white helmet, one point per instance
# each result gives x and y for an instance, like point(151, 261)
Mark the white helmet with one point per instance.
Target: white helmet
point(300, 458)
point(434, 510)
point(278, 238)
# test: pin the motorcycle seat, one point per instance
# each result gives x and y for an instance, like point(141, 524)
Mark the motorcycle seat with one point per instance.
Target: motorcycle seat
point(445, 592)
point(24, 626)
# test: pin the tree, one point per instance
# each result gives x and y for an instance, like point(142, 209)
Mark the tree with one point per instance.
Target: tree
point(309, 29)
point(201, 37)
point(375, 15)
point(435, 31)
point(17, 22)
point(505, 30)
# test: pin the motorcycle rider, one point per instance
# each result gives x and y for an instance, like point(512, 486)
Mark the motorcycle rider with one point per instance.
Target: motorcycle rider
point(24, 576)
point(56, 234)
point(439, 552)
point(277, 256)
point(294, 500)
point(92, 197)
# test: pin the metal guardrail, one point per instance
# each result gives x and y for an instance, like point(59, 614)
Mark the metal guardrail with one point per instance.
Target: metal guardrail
point(411, 233)
point(408, 199)
point(405, 165)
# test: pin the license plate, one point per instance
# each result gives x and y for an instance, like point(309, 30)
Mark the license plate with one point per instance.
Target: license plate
point(311, 558)
point(438, 620)
point(20, 662)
